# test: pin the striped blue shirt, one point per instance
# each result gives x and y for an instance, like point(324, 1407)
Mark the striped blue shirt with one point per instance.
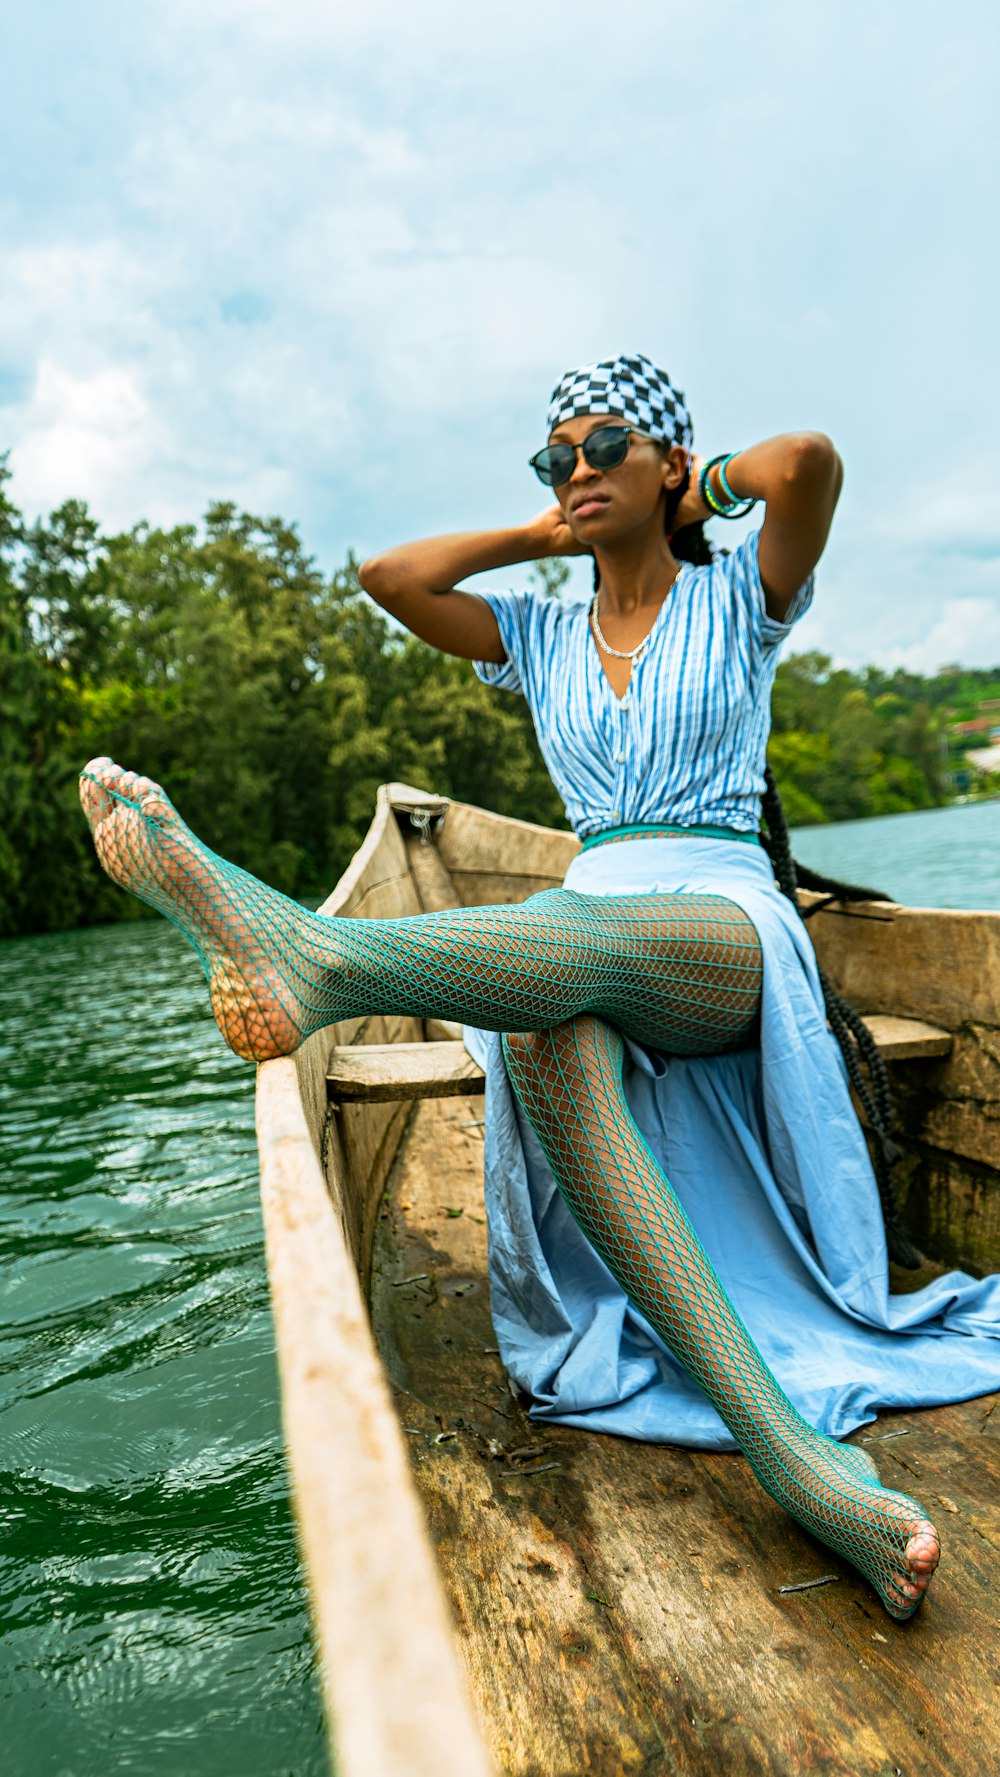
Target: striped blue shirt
point(686, 744)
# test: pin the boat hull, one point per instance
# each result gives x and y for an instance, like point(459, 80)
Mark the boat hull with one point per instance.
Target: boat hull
point(601, 1606)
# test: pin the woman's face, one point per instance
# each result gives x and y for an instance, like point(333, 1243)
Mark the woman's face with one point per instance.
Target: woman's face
point(602, 504)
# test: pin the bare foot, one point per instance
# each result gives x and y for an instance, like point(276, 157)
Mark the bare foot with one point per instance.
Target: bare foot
point(235, 923)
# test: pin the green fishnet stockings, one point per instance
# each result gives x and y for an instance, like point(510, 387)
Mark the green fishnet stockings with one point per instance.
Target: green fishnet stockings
point(682, 973)
point(569, 1081)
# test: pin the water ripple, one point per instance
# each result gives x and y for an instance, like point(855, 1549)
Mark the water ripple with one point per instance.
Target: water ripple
point(151, 1610)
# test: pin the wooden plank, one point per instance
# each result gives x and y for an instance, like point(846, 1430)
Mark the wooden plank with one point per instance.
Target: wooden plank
point(907, 1039)
point(434, 886)
point(619, 1609)
point(936, 964)
point(365, 1551)
point(553, 1690)
point(378, 871)
point(491, 858)
point(951, 1206)
point(359, 1147)
point(406, 799)
point(941, 966)
point(924, 1687)
point(367, 1561)
point(376, 1073)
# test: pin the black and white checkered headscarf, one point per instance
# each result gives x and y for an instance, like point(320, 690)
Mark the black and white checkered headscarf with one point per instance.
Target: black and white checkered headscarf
point(630, 386)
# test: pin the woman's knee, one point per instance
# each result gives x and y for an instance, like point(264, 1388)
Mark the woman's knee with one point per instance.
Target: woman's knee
point(526, 1051)
point(581, 1041)
point(559, 902)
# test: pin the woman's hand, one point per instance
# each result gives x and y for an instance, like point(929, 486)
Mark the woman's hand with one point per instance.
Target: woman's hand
point(554, 535)
point(418, 582)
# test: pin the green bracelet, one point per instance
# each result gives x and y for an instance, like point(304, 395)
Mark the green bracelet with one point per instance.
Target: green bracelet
point(737, 508)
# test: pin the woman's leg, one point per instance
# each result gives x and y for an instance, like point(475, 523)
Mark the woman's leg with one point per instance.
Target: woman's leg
point(683, 972)
point(569, 1081)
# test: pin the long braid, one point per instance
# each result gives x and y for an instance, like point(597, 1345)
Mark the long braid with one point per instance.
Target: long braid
point(856, 1042)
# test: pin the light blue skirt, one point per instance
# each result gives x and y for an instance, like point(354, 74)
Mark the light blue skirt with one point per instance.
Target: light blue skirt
point(766, 1154)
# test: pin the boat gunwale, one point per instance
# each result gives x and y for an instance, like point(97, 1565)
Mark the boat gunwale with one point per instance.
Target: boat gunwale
point(366, 1555)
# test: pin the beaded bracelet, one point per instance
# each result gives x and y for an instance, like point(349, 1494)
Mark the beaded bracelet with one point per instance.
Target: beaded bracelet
point(737, 508)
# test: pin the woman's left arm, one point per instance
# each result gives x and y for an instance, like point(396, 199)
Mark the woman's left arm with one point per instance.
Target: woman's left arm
point(798, 476)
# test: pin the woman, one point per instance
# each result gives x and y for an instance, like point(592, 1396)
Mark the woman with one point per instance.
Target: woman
point(652, 708)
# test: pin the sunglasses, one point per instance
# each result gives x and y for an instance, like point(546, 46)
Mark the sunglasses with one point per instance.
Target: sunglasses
point(604, 448)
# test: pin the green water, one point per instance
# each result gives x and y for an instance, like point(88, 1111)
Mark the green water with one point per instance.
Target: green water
point(940, 857)
point(151, 1612)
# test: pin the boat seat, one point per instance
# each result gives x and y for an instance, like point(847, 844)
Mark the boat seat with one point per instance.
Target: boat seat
point(372, 1073)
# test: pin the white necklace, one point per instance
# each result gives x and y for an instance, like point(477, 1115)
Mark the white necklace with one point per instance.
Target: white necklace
point(619, 653)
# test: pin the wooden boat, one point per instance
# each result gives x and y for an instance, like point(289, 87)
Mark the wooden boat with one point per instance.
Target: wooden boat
point(494, 1596)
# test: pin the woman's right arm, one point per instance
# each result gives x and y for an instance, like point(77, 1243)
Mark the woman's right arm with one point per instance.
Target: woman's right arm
point(416, 581)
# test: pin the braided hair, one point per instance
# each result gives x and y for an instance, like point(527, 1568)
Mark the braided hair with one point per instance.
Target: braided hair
point(856, 1043)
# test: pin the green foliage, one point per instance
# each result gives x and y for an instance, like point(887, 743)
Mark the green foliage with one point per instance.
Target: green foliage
point(845, 745)
point(550, 575)
point(273, 700)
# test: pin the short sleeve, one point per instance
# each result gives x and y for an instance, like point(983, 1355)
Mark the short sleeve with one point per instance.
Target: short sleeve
point(511, 610)
point(746, 578)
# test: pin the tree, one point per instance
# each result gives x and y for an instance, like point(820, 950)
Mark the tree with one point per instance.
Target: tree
point(272, 700)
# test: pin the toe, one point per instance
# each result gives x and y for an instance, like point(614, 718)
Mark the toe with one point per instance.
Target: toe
point(125, 786)
point(94, 780)
point(141, 793)
point(151, 799)
point(899, 1600)
point(923, 1550)
point(905, 1591)
point(91, 798)
point(103, 769)
point(103, 785)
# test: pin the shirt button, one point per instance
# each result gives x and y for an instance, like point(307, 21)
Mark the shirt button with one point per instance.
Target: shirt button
point(620, 758)
point(615, 814)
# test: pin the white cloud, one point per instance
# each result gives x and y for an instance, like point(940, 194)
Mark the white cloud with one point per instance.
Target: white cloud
point(949, 505)
point(967, 633)
point(92, 436)
point(327, 258)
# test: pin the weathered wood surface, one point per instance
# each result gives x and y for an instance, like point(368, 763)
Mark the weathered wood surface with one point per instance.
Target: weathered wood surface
point(581, 1577)
point(435, 890)
point(908, 1039)
point(943, 967)
point(377, 1072)
point(934, 963)
point(396, 1702)
point(617, 1604)
point(490, 858)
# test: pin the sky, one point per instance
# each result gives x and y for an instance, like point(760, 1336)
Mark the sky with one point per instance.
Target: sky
point(327, 259)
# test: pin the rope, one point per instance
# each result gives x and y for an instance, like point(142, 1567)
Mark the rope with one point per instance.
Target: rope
point(857, 1045)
